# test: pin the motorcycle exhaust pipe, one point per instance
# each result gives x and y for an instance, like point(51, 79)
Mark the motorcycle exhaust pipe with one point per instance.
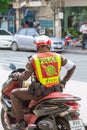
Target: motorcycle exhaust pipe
point(31, 127)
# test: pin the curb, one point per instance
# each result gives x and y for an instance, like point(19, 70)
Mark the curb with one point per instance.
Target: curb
point(76, 51)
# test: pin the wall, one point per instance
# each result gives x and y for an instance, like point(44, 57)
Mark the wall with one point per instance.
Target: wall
point(75, 3)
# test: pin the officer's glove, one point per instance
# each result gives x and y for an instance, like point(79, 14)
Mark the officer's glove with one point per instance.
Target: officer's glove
point(14, 76)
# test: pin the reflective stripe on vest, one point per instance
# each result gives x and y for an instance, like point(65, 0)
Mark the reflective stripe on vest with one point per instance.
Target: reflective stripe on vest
point(47, 68)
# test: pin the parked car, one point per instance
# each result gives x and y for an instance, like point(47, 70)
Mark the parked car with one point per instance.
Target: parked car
point(5, 38)
point(57, 44)
point(5, 44)
point(24, 39)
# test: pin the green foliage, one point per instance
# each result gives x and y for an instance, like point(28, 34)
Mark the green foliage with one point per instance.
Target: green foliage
point(48, 31)
point(4, 5)
point(64, 33)
point(73, 32)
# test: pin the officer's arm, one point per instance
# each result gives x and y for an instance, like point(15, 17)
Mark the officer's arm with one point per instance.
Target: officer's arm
point(70, 67)
point(25, 74)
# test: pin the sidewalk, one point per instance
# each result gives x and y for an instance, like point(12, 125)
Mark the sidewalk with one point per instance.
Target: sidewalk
point(76, 50)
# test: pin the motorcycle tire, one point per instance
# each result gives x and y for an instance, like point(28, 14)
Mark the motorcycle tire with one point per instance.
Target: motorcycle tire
point(4, 125)
point(62, 123)
point(84, 45)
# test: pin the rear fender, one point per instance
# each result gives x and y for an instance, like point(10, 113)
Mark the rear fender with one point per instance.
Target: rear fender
point(55, 97)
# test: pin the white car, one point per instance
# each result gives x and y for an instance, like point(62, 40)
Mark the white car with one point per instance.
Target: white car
point(5, 38)
point(24, 39)
point(57, 44)
point(5, 44)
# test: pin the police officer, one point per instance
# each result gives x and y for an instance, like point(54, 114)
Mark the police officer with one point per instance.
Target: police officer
point(46, 66)
point(83, 30)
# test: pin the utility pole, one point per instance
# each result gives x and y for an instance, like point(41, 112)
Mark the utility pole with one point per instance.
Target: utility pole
point(18, 16)
point(56, 6)
point(18, 4)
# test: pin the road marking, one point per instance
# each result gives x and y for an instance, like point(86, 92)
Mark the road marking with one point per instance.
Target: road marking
point(14, 60)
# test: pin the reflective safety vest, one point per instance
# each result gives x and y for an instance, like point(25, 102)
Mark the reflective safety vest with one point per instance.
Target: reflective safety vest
point(47, 68)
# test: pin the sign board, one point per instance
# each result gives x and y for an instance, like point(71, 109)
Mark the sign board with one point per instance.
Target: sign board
point(60, 15)
point(15, 5)
point(35, 4)
point(22, 4)
point(19, 5)
point(46, 23)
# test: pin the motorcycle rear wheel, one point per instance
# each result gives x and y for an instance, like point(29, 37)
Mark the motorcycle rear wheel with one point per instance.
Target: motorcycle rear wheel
point(62, 123)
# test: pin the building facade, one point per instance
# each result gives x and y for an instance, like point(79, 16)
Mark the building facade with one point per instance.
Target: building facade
point(56, 16)
point(74, 15)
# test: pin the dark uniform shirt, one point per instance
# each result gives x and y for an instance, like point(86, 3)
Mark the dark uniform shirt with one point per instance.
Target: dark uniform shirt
point(27, 73)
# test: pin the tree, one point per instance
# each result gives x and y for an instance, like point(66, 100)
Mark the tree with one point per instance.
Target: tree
point(4, 5)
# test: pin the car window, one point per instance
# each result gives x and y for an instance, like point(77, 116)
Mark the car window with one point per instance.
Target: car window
point(21, 31)
point(3, 32)
point(31, 32)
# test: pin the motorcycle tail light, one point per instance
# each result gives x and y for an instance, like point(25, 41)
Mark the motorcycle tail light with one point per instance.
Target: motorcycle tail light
point(74, 105)
point(75, 117)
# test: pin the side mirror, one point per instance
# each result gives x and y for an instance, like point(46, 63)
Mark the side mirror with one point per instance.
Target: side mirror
point(12, 66)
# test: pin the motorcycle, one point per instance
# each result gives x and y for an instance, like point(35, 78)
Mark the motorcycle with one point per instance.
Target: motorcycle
point(83, 46)
point(56, 111)
point(70, 41)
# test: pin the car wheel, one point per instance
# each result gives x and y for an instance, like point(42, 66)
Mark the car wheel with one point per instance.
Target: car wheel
point(14, 46)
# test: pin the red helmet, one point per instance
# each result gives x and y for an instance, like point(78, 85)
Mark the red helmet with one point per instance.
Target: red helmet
point(43, 40)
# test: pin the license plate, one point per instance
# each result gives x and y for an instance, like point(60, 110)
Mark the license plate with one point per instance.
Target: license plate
point(59, 46)
point(76, 125)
